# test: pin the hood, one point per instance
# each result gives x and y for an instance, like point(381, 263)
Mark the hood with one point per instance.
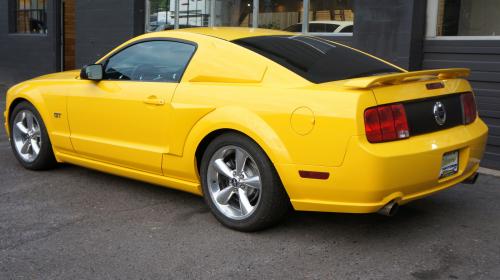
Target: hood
point(73, 74)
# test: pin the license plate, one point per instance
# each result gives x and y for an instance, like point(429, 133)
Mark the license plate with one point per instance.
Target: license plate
point(449, 165)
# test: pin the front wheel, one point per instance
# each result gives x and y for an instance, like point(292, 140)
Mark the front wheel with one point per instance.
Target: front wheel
point(29, 139)
point(240, 184)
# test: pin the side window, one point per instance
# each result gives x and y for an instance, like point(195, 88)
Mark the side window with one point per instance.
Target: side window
point(347, 29)
point(322, 27)
point(294, 28)
point(330, 28)
point(152, 61)
point(316, 27)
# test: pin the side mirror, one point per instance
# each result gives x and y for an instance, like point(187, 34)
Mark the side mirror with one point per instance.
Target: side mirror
point(93, 72)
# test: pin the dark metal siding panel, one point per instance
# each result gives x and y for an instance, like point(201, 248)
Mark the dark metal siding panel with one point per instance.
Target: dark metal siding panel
point(483, 58)
point(103, 25)
point(390, 29)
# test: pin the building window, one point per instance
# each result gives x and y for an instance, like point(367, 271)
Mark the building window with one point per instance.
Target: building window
point(233, 13)
point(279, 14)
point(320, 16)
point(195, 13)
point(463, 18)
point(29, 16)
point(331, 16)
point(159, 16)
point(163, 15)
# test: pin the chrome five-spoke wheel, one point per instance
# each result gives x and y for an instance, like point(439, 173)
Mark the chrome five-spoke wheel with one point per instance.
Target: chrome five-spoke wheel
point(234, 182)
point(240, 183)
point(27, 135)
point(29, 139)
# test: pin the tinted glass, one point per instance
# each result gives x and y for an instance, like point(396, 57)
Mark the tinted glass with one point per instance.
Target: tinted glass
point(347, 29)
point(330, 27)
point(316, 27)
point(322, 27)
point(294, 28)
point(315, 59)
point(154, 61)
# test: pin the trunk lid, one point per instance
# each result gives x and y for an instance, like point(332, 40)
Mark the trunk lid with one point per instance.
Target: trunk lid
point(415, 85)
point(399, 78)
point(420, 92)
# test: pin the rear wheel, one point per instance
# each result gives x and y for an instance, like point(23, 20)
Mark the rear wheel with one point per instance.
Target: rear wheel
point(240, 184)
point(29, 139)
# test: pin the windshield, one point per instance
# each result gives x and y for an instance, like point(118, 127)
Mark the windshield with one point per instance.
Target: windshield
point(315, 59)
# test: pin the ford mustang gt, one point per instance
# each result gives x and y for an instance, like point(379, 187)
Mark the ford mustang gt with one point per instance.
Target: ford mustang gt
point(256, 121)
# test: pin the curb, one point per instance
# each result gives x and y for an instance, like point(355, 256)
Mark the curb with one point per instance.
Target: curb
point(488, 171)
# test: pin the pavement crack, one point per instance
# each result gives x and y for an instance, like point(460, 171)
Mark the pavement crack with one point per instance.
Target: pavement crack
point(36, 237)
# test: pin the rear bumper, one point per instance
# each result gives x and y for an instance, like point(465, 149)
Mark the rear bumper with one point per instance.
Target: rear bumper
point(374, 174)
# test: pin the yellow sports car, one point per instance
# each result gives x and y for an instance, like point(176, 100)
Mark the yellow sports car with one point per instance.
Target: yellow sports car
point(256, 121)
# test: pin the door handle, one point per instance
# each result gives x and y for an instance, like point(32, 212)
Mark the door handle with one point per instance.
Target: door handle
point(153, 100)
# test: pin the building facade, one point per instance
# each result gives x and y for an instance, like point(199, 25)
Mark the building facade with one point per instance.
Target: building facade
point(43, 36)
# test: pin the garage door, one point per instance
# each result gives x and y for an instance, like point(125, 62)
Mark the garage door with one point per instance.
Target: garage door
point(483, 58)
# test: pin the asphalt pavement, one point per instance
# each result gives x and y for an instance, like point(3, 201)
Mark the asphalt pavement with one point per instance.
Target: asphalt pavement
point(75, 223)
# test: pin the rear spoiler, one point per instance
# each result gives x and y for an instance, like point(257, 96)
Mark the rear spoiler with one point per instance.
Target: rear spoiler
point(394, 79)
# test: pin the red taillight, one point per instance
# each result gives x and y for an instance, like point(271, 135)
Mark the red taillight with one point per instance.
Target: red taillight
point(372, 125)
point(468, 108)
point(400, 121)
point(386, 123)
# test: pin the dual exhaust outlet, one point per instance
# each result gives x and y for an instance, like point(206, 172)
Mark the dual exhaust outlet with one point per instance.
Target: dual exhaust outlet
point(391, 208)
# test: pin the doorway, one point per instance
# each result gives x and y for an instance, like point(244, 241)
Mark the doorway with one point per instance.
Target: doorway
point(68, 34)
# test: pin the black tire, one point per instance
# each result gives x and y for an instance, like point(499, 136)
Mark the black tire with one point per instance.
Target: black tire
point(274, 202)
point(45, 159)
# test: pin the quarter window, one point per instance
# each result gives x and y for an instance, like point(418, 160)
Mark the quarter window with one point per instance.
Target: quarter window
point(28, 16)
point(152, 61)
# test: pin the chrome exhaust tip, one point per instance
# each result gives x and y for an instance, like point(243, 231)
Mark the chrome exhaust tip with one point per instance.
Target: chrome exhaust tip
point(390, 209)
point(472, 179)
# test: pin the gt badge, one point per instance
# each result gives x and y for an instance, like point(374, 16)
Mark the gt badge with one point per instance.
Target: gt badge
point(57, 115)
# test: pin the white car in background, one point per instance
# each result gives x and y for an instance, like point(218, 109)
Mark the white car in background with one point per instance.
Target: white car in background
point(325, 26)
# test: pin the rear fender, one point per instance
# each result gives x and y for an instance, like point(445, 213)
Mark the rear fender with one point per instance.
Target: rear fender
point(248, 123)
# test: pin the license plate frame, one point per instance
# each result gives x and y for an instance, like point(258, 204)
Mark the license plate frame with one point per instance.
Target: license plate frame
point(449, 164)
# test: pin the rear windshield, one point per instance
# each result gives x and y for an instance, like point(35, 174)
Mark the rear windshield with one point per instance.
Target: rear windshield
point(315, 59)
